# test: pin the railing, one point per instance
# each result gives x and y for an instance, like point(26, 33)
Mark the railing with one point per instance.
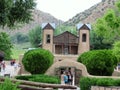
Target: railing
point(29, 85)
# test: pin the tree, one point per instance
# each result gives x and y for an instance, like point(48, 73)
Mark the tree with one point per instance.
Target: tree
point(19, 38)
point(99, 62)
point(116, 50)
point(37, 61)
point(99, 42)
point(108, 26)
point(13, 12)
point(5, 45)
point(35, 36)
point(62, 28)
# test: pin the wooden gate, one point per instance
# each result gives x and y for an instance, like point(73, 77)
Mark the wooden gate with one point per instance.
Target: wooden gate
point(78, 74)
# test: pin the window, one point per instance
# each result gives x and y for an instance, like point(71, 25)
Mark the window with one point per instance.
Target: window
point(84, 37)
point(47, 38)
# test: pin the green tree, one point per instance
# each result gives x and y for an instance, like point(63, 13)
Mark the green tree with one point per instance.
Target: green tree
point(108, 26)
point(19, 38)
point(116, 50)
point(5, 45)
point(13, 12)
point(35, 36)
point(62, 28)
point(99, 62)
point(99, 42)
point(37, 61)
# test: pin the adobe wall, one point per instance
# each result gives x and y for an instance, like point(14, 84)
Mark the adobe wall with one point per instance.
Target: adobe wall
point(65, 57)
point(104, 88)
point(67, 63)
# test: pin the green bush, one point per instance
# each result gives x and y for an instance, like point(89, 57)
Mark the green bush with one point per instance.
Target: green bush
point(8, 85)
point(99, 62)
point(86, 82)
point(40, 78)
point(37, 61)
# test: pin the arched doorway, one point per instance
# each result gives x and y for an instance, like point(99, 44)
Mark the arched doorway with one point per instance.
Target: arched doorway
point(78, 69)
point(76, 73)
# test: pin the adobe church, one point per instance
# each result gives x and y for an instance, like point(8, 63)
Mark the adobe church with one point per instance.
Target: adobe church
point(66, 43)
point(66, 47)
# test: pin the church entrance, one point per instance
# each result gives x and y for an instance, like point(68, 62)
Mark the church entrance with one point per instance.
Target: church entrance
point(76, 73)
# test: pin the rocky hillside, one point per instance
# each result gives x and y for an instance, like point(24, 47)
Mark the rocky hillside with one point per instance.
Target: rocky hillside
point(39, 17)
point(90, 15)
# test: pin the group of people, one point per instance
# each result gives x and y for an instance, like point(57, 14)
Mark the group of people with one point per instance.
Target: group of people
point(66, 77)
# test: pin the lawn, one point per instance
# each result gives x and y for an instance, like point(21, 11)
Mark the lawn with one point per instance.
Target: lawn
point(19, 49)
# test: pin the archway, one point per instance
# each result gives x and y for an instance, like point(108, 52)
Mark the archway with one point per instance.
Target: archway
point(78, 69)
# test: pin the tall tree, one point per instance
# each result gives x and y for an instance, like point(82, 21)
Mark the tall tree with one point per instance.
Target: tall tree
point(35, 36)
point(5, 45)
point(108, 26)
point(13, 12)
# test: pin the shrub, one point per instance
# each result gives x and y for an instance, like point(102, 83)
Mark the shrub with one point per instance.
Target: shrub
point(40, 78)
point(8, 85)
point(37, 61)
point(86, 82)
point(99, 62)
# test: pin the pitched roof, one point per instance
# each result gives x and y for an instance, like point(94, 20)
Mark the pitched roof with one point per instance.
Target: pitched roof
point(80, 25)
point(45, 24)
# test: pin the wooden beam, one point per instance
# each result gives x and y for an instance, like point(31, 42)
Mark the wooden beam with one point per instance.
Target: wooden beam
point(43, 85)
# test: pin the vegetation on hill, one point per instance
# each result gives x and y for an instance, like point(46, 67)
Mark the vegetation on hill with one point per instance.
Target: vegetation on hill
point(92, 14)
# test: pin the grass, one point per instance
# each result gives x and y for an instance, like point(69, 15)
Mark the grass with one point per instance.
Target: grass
point(19, 49)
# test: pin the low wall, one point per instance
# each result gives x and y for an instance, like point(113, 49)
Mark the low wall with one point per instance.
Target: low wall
point(104, 88)
point(65, 57)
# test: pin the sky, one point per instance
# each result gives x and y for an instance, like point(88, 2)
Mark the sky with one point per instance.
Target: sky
point(64, 9)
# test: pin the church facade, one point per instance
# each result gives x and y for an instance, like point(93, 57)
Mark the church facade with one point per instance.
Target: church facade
point(66, 43)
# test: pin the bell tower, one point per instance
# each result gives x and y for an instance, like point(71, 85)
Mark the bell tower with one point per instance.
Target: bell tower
point(47, 42)
point(84, 37)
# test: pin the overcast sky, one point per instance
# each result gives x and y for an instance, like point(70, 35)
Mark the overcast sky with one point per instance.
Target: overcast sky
point(64, 9)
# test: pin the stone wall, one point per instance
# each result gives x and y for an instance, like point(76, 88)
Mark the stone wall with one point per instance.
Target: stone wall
point(104, 88)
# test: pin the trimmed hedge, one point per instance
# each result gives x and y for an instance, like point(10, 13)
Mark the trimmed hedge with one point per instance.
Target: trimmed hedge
point(99, 62)
point(37, 61)
point(40, 78)
point(86, 82)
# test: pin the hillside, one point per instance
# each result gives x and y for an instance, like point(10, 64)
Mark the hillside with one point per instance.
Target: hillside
point(39, 17)
point(90, 15)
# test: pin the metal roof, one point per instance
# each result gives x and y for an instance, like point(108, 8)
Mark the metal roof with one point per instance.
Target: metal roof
point(81, 24)
point(44, 24)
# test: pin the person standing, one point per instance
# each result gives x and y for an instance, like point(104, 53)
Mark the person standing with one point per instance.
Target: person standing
point(66, 78)
point(62, 77)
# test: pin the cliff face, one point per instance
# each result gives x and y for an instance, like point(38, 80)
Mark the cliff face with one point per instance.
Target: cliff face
point(90, 15)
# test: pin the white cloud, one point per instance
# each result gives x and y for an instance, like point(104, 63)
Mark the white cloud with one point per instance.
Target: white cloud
point(64, 9)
